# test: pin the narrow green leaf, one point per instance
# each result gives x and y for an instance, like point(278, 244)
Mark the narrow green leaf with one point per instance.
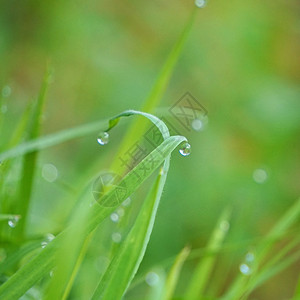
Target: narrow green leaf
point(42, 264)
point(29, 160)
point(52, 139)
point(174, 273)
point(204, 268)
point(138, 127)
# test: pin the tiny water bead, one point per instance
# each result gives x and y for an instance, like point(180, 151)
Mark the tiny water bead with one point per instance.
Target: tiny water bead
point(48, 238)
point(126, 202)
point(116, 237)
point(250, 257)
point(245, 269)
point(114, 217)
point(260, 176)
point(200, 3)
point(13, 221)
point(103, 138)
point(152, 278)
point(185, 149)
point(49, 172)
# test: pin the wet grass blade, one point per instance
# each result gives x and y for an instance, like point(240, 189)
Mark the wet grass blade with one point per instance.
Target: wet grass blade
point(138, 127)
point(74, 240)
point(204, 269)
point(52, 140)
point(44, 262)
point(174, 273)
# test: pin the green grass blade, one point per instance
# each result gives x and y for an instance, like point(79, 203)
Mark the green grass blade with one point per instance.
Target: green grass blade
point(52, 139)
point(139, 126)
point(42, 264)
point(29, 162)
point(174, 273)
point(204, 268)
point(242, 282)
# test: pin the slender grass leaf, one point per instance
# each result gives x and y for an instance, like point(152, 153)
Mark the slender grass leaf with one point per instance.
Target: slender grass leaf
point(204, 268)
point(44, 262)
point(173, 276)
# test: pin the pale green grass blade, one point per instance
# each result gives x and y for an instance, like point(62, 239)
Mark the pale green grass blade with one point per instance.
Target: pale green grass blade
point(127, 260)
point(273, 269)
point(138, 127)
point(174, 274)
point(205, 267)
point(241, 284)
point(42, 264)
point(69, 252)
point(30, 159)
point(52, 139)
point(13, 259)
point(131, 252)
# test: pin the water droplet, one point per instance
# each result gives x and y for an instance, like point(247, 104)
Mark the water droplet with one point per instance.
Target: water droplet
point(185, 150)
point(245, 269)
point(260, 176)
point(6, 91)
point(48, 238)
point(116, 237)
point(200, 3)
point(51, 273)
point(49, 172)
point(103, 138)
point(114, 217)
point(44, 244)
point(224, 226)
point(126, 202)
point(13, 221)
point(152, 278)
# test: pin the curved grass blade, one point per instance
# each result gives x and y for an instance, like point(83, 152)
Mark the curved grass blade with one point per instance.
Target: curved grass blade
point(57, 286)
point(44, 262)
point(138, 127)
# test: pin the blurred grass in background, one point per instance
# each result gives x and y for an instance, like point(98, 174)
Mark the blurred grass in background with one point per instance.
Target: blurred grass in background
point(241, 62)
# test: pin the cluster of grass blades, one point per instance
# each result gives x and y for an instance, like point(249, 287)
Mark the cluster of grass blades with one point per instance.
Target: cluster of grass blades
point(35, 268)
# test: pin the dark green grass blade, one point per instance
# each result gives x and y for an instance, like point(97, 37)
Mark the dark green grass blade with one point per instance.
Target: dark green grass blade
point(30, 159)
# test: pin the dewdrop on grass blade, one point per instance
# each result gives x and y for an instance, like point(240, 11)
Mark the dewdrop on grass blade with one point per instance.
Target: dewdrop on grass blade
point(13, 221)
point(200, 3)
point(103, 138)
point(185, 149)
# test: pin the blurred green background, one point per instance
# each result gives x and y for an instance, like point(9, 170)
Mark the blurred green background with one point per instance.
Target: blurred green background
point(241, 62)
